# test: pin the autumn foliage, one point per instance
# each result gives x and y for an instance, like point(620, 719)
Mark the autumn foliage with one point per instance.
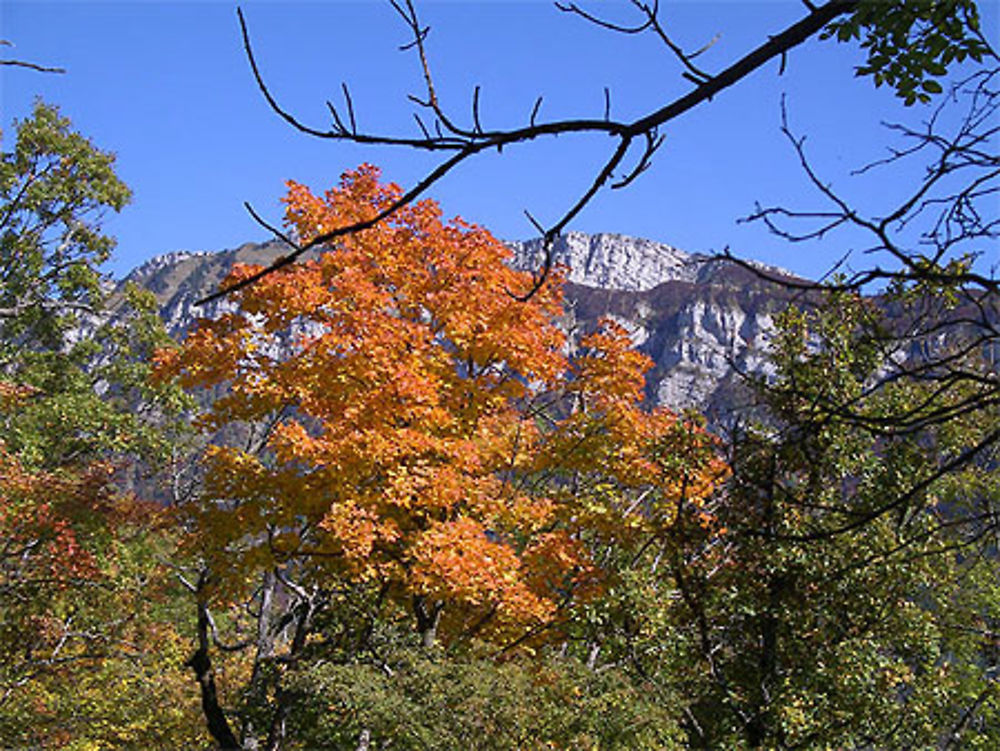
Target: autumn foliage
point(427, 430)
point(78, 591)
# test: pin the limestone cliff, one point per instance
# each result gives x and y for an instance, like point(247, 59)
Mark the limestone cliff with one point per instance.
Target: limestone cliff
point(701, 321)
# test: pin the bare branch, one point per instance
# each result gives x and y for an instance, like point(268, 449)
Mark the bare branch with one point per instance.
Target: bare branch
point(556, 229)
point(653, 143)
point(32, 66)
point(350, 107)
point(323, 239)
point(650, 22)
point(466, 143)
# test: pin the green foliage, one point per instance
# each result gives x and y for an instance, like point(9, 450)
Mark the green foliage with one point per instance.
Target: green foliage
point(55, 186)
point(857, 604)
point(461, 701)
point(90, 651)
point(839, 594)
point(90, 394)
point(911, 44)
point(93, 653)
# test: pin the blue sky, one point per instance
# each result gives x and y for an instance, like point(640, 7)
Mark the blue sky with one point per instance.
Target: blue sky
point(167, 87)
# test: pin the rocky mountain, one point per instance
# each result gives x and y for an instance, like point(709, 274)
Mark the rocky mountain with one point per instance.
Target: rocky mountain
point(702, 321)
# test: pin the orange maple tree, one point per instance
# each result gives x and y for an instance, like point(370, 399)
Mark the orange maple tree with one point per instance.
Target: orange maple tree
point(427, 431)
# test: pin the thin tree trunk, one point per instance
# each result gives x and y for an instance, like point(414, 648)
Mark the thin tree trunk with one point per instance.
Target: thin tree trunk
point(201, 664)
point(303, 620)
point(428, 616)
point(264, 649)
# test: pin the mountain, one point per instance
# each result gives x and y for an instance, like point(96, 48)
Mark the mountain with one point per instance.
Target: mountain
point(702, 321)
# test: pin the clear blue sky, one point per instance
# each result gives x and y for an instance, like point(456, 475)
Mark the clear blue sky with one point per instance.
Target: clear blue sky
point(167, 87)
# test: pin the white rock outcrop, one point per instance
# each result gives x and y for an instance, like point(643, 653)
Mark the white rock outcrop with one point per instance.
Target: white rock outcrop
point(701, 321)
point(608, 261)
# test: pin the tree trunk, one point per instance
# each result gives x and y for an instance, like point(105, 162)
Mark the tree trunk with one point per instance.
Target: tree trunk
point(263, 650)
point(303, 620)
point(201, 664)
point(428, 616)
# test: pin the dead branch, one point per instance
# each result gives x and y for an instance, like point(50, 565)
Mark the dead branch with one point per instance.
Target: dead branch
point(464, 143)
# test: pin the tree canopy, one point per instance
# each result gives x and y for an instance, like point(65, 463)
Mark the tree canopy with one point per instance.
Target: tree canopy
point(426, 435)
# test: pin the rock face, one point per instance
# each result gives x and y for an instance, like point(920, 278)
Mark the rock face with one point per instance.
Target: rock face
point(615, 262)
point(701, 335)
point(180, 279)
point(701, 321)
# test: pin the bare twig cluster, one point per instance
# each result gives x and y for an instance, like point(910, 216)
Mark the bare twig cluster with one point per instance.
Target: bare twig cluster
point(441, 132)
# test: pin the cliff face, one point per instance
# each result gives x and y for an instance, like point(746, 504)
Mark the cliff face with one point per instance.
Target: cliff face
point(701, 335)
point(702, 322)
point(614, 262)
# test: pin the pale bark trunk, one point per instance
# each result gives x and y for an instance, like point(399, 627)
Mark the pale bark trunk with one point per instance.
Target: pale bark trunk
point(428, 616)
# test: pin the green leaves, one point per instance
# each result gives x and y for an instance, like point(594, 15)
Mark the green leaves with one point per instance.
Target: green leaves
point(853, 557)
point(84, 662)
point(911, 43)
point(55, 186)
point(88, 377)
point(471, 701)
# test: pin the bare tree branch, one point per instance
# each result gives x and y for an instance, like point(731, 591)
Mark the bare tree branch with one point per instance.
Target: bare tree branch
point(28, 65)
point(466, 143)
point(941, 329)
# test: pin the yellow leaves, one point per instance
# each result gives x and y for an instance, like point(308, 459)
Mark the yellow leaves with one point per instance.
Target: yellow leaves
point(427, 428)
point(461, 561)
point(74, 612)
point(233, 473)
point(135, 696)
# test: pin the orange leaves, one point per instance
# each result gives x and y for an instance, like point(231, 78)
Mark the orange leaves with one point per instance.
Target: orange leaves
point(426, 428)
point(461, 561)
point(360, 537)
point(212, 353)
point(559, 564)
point(612, 371)
point(13, 395)
point(639, 468)
point(45, 517)
point(304, 212)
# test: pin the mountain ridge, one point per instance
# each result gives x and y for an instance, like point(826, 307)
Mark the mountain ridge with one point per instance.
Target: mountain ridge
point(702, 320)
